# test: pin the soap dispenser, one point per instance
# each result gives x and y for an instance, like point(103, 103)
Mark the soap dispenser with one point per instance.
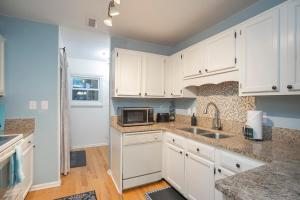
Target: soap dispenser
point(194, 120)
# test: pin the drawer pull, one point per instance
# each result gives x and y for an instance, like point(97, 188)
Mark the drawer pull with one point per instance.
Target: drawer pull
point(186, 155)
point(180, 152)
point(29, 142)
point(237, 165)
point(219, 170)
point(198, 149)
point(173, 140)
point(289, 87)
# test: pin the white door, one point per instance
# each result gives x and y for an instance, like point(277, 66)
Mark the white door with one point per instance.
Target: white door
point(27, 170)
point(200, 182)
point(154, 75)
point(221, 51)
point(1, 65)
point(292, 82)
point(259, 65)
point(220, 174)
point(128, 73)
point(194, 60)
point(174, 167)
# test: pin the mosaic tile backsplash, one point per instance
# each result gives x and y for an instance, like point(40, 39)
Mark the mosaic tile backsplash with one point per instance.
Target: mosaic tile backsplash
point(226, 96)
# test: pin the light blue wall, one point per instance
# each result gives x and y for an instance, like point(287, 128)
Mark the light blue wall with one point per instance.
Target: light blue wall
point(281, 111)
point(159, 105)
point(235, 19)
point(31, 73)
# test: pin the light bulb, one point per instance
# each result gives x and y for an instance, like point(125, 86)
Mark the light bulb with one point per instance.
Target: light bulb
point(108, 21)
point(113, 11)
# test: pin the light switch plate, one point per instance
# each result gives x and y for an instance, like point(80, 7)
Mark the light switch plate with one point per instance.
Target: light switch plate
point(32, 105)
point(44, 105)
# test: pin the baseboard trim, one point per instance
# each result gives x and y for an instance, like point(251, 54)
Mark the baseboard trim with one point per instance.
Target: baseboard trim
point(45, 185)
point(89, 145)
point(113, 180)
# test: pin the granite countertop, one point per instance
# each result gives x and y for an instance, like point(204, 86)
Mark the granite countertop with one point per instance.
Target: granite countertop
point(278, 179)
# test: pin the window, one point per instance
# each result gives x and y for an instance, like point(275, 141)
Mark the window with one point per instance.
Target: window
point(86, 91)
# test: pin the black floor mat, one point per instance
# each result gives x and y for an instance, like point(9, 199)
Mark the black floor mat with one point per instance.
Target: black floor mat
point(83, 196)
point(77, 159)
point(168, 193)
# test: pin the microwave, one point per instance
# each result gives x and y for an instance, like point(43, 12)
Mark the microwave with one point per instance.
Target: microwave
point(135, 116)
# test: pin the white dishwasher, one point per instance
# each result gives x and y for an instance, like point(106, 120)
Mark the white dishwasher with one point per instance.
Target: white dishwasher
point(142, 158)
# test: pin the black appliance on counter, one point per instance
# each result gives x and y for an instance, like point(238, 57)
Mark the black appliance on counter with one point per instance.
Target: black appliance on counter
point(162, 117)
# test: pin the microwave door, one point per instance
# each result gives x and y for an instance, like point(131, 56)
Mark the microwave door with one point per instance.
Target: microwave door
point(135, 116)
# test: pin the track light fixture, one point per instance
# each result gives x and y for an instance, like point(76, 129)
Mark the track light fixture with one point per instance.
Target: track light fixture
point(112, 11)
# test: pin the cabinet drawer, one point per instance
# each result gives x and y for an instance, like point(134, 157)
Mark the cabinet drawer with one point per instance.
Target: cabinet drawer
point(201, 150)
point(27, 141)
point(175, 140)
point(142, 137)
point(236, 162)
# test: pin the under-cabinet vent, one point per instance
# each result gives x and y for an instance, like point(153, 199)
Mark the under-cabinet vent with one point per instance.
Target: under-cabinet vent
point(92, 23)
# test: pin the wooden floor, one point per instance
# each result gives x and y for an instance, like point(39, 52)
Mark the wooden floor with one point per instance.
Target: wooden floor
point(93, 177)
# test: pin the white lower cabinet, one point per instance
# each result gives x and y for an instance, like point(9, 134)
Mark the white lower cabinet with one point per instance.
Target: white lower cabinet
point(199, 178)
point(27, 148)
point(192, 167)
point(174, 164)
point(220, 174)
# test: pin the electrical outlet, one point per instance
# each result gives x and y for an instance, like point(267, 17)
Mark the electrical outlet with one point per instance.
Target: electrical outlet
point(32, 105)
point(44, 105)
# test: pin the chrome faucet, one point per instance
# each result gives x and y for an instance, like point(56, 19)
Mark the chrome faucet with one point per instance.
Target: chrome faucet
point(216, 123)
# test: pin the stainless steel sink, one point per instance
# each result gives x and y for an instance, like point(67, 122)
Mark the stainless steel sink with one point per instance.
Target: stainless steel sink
point(216, 135)
point(205, 133)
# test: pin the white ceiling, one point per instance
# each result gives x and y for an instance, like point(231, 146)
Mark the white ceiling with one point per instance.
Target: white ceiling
point(159, 21)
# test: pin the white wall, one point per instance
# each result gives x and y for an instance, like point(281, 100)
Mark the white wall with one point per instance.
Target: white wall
point(90, 125)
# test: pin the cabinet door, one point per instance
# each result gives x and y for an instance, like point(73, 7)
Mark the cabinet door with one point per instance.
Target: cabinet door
point(174, 167)
point(154, 73)
point(177, 75)
point(174, 76)
point(128, 73)
point(292, 82)
point(169, 74)
point(220, 174)
point(199, 178)
point(221, 51)
point(1, 65)
point(260, 53)
point(194, 60)
point(27, 170)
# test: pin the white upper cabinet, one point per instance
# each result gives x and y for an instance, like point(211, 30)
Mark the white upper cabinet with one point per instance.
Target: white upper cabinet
point(221, 51)
point(194, 60)
point(128, 73)
point(1, 66)
point(174, 76)
point(260, 53)
point(154, 75)
point(291, 82)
